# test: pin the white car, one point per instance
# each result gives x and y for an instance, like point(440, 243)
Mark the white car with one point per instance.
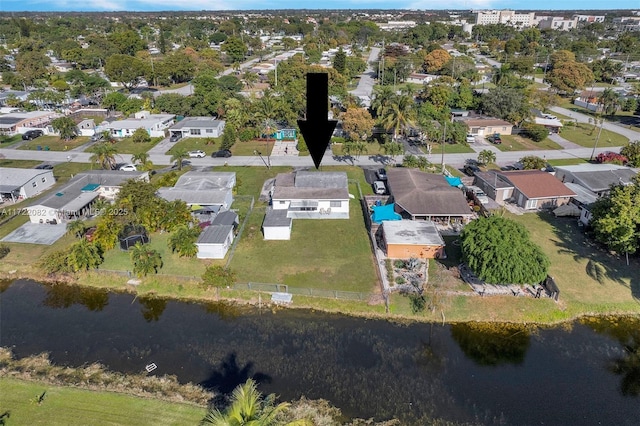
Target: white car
point(471, 138)
point(379, 187)
point(128, 168)
point(197, 154)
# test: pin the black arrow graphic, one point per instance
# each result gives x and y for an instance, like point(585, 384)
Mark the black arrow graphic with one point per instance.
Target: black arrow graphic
point(317, 128)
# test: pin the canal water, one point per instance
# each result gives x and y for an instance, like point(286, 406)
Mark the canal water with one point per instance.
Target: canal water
point(584, 373)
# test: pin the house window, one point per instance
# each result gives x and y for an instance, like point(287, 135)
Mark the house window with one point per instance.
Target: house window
point(195, 131)
point(282, 202)
point(209, 130)
point(504, 129)
point(531, 204)
point(34, 184)
point(335, 203)
point(44, 179)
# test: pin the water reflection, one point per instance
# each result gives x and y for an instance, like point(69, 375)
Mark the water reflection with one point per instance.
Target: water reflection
point(64, 296)
point(492, 343)
point(152, 307)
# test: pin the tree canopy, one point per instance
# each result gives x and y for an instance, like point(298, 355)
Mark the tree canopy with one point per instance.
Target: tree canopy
point(499, 251)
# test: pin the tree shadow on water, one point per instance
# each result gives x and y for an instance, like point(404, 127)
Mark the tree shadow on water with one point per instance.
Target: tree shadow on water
point(228, 375)
point(578, 243)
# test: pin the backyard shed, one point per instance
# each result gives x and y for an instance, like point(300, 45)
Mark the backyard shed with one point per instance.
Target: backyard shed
point(405, 239)
point(276, 225)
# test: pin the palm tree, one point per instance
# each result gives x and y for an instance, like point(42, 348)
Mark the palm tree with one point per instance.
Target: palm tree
point(382, 98)
point(178, 156)
point(247, 407)
point(145, 260)
point(410, 161)
point(66, 127)
point(76, 227)
point(267, 128)
point(183, 240)
point(104, 154)
point(486, 156)
point(142, 158)
point(393, 149)
point(398, 115)
point(358, 148)
point(609, 101)
point(84, 255)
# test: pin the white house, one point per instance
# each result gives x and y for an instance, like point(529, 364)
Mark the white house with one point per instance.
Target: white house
point(312, 195)
point(73, 200)
point(276, 225)
point(217, 238)
point(198, 127)
point(19, 184)
point(204, 189)
point(154, 124)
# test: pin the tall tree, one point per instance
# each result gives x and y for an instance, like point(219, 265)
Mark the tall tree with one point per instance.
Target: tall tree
point(486, 156)
point(179, 155)
point(340, 61)
point(358, 123)
point(183, 240)
point(145, 260)
point(399, 115)
point(104, 154)
point(84, 255)
point(66, 127)
point(125, 70)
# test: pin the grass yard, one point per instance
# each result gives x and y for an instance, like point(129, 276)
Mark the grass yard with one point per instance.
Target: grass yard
point(10, 141)
point(69, 406)
point(207, 145)
point(323, 254)
point(54, 143)
point(249, 147)
point(519, 143)
point(567, 161)
point(19, 164)
point(583, 135)
point(127, 146)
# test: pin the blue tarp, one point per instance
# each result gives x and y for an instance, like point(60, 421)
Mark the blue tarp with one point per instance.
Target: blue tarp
point(387, 212)
point(453, 181)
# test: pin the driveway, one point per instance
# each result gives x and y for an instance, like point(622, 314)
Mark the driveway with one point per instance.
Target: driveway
point(36, 233)
point(367, 78)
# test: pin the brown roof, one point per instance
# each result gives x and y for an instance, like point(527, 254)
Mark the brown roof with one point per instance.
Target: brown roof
point(428, 194)
point(537, 184)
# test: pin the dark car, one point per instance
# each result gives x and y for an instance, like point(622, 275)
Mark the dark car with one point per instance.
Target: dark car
point(44, 167)
point(175, 137)
point(495, 139)
point(471, 169)
point(223, 153)
point(32, 134)
point(381, 174)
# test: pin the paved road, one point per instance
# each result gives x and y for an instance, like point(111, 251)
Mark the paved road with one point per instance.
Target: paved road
point(367, 78)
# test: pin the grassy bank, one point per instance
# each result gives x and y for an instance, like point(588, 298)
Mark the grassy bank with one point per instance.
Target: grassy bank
point(67, 406)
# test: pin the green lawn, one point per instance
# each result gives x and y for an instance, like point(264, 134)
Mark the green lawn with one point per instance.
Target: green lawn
point(55, 143)
point(249, 147)
point(324, 254)
point(71, 406)
point(567, 161)
point(10, 141)
point(584, 135)
point(19, 164)
point(519, 143)
point(193, 144)
point(127, 146)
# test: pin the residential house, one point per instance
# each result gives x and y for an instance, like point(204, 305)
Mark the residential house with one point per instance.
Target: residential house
point(19, 184)
point(552, 124)
point(404, 239)
point(217, 238)
point(597, 178)
point(312, 195)
point(419, 195)
point(485, 126)
point(74, 199)
point(589, 99)
point(9, 94)
point(494, 185)
point(154, 124)
point(21, 122)
point(420, 78)
point(198, 127)
point(535, 189)
point(202, 189)
point(584, 200)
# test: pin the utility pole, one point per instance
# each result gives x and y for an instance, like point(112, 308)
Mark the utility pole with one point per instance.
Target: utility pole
point(444, 141)
point(597, 139)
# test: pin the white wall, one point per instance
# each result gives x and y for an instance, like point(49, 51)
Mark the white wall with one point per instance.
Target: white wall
point(42, 214)
point(277, 232)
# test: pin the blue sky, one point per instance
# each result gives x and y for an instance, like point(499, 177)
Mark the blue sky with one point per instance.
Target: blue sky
point(160, 5)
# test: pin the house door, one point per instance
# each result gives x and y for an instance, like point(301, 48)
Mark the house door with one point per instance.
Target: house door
point(520, 200)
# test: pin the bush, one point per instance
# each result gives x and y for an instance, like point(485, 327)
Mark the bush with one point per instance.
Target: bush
point(228, 137)
point(140, 136)
point(247, 134)
point(537, 132)
point(399, 264)
point(4, 250)
point(217, 276)
point(611, 158)
point(400, 280)
point(57, 261)
point(301, 145)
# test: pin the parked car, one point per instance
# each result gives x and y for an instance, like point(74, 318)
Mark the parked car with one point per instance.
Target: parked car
point(197, 154)
point(32, 134)
point(471, 169)
point(495, 139)
point(379, 187)
point(223, 153)
point(175, 137)
point(478, 193)
point(128, 168)
point(44, 167)
point(471, 138)
point(382, 174)
point(97, 137)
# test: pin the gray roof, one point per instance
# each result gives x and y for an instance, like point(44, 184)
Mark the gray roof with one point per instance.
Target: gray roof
point(596, 177)
point(583, 195)
point(203, 181)
point(10, 121)
point(303, 185)
point(412, 232)
point(204, 198)
point(276, 218)
point(425, 194)
point(214, 234)
point(69, 196)
point(493, 179)
point(197, 123)
point(226, 217)
point(12, 179)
